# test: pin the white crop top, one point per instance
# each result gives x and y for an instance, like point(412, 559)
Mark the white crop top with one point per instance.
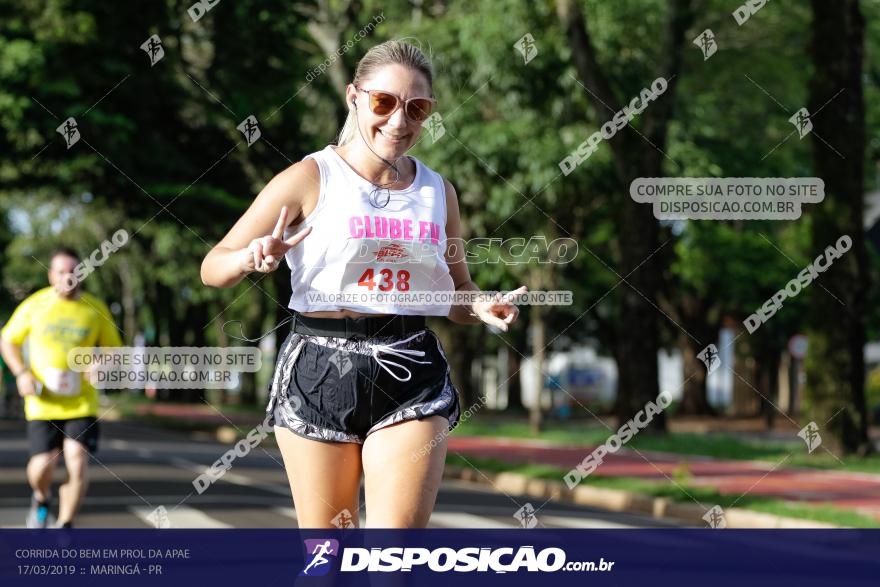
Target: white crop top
point(379, 260)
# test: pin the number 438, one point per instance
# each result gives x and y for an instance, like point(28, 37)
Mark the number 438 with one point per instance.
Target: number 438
point(387, 281)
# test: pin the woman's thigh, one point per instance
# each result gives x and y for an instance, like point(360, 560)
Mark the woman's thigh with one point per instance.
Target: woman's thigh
point(403, 468)
point(324, 477)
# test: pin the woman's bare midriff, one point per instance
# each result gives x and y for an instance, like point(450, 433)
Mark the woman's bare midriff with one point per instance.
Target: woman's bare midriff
point(342, 314)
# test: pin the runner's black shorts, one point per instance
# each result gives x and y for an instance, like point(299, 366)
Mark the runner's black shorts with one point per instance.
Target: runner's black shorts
point(47, 435)
point(336, 390)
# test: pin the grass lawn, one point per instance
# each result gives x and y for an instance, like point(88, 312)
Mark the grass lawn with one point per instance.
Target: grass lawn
point(718, 445)
point(682, 492)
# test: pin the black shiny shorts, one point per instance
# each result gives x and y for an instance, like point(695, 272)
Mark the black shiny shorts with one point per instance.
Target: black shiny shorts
point(47, 435)
point(342, 390)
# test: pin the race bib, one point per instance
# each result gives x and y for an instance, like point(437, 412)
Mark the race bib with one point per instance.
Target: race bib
point(383, 272)
point(62, 381)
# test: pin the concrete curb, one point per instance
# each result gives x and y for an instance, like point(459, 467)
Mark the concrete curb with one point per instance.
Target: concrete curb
point(618, 500)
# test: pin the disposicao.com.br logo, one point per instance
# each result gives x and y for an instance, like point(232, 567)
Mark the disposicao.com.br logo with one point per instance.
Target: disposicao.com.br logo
point(319, 552)
point(443, 559)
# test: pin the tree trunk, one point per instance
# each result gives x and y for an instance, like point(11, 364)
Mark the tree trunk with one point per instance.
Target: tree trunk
point(744, 396)
point(164, 320)
point(129, 309)
point(634, 156)
point(770, 387)
point(700, 320)
point(514, 385)
point(197, 316)
point(695, 398)
point(835, 391)
point(326, 27)
point(538, 328)
point(256, 324)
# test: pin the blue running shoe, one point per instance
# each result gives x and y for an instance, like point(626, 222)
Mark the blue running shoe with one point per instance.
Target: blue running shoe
point(39, 515)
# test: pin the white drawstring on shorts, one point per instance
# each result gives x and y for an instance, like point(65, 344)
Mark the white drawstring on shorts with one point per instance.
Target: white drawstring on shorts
point(391, 349)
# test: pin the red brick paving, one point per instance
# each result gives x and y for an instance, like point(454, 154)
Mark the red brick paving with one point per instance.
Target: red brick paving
point(855, 491)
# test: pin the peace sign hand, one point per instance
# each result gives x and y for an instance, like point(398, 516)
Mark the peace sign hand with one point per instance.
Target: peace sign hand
point(264, 254)
point(499, 311)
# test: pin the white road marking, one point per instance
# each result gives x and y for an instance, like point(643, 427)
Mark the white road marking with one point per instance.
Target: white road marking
point(181, 517)
point(465, 520)
point(232, 477)
point(288, 512)
point(573, 522)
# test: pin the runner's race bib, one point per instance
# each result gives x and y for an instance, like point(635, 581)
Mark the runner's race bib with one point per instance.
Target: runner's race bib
point(61, 381)
point(381, 270)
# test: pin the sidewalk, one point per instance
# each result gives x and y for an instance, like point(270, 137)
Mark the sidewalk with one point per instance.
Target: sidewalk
point(858, 492)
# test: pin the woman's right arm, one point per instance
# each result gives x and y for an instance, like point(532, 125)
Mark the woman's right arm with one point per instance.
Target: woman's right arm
point(254, 243)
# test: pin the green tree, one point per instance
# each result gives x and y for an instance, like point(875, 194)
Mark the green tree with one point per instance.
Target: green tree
point(835, 362)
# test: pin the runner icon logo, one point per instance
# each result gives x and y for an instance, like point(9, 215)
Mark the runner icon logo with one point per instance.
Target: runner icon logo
point(710, 358)
point(715, 517)
point(319, 553)
point(527, 47)
point(343, 520)
point(810, 434)
point(341, 361)
point(70, 131)
point(801, 121)
point(250, 128)
point(706, 42)
point(434, 124)
point(154, 49)
point(526, 516)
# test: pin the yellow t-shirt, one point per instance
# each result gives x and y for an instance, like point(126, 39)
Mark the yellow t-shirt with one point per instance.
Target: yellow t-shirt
point(53, 326)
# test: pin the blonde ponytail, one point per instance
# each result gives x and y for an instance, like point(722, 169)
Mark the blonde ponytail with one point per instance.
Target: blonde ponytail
point(387, 53)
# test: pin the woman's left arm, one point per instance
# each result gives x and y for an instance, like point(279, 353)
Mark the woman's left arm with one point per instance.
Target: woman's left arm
point(498, 311)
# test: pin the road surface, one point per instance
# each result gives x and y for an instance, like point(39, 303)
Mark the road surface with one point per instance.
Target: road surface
point(139, 468)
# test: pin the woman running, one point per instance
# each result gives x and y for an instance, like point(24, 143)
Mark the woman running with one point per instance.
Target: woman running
point(361, 385)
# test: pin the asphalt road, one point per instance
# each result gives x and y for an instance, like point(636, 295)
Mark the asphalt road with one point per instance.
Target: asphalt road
point(139, 468)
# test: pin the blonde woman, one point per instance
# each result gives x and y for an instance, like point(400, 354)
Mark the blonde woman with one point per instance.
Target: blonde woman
point(361, 386)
